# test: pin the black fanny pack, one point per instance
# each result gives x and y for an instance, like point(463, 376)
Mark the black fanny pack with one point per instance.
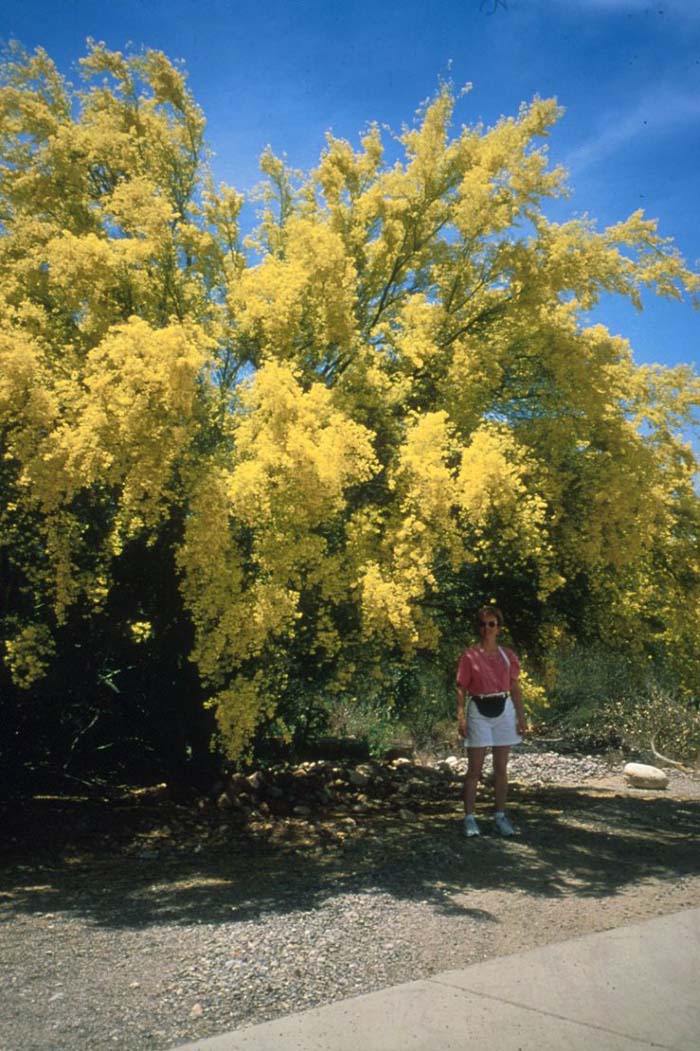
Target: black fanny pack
point(491, 705)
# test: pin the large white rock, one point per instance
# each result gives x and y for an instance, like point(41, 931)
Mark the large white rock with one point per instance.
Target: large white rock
point(640, 775)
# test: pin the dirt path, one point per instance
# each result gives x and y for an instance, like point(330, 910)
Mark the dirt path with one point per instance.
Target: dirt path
point(146, 926)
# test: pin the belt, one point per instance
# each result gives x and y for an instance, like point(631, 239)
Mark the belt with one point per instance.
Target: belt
point(490, 696)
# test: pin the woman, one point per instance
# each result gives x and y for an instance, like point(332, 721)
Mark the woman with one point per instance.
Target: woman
point(493, 718)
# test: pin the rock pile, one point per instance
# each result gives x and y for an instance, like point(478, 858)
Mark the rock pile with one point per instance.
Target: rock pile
point(313, 789)
point(322, 790)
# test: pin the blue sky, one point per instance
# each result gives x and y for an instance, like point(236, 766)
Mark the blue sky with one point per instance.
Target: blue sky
point(268, 71)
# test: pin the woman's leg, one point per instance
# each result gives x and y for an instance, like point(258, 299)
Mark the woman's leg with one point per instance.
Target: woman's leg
point(501, 753)
point(475, 757)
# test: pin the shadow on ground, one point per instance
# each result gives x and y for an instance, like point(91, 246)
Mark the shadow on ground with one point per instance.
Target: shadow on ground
point(88, 860)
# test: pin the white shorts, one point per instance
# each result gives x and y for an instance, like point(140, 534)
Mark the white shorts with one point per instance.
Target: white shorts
point(483, 732)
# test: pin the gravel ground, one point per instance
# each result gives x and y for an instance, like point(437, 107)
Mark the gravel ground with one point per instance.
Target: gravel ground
point(147, 936)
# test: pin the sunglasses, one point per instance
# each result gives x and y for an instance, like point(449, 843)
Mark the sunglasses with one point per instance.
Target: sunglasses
point(488, 623)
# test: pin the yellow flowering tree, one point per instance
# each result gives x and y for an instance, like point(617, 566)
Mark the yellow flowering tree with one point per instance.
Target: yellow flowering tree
point(108, 278)
point(296, 462)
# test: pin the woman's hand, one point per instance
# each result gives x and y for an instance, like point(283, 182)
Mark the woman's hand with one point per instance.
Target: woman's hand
point(522, 725)
point(462, 725)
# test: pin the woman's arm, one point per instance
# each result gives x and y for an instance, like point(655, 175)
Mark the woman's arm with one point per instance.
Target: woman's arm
point(517, 695)
point(461, 713)
point(463, 678)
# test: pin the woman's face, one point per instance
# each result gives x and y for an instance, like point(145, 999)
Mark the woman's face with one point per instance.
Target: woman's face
point(488, 627)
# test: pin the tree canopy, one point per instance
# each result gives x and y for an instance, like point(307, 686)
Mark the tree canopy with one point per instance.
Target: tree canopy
point(292, 460)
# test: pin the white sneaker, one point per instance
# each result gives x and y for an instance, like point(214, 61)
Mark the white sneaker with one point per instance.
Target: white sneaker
point(503, 825)
point(470, 826)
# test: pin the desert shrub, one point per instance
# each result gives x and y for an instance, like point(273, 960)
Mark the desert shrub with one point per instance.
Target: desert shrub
point(368, 722)
point(589, 686)
point(601, 697)
point(660, 718)
point(426, 704)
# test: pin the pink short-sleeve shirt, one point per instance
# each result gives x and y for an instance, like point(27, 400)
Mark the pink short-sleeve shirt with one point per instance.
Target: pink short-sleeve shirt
point(479, 672)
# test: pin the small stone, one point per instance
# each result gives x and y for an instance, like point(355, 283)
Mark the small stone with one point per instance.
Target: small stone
point(640, 775)
point(197, 1011)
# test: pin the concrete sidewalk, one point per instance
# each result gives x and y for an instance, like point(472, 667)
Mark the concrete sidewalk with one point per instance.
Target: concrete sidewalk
point(630, 988)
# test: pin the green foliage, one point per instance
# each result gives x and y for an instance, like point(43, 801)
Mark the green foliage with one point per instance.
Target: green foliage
point(607, 698)
point(426, 703)
point(588, 680)
point(372, 724)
